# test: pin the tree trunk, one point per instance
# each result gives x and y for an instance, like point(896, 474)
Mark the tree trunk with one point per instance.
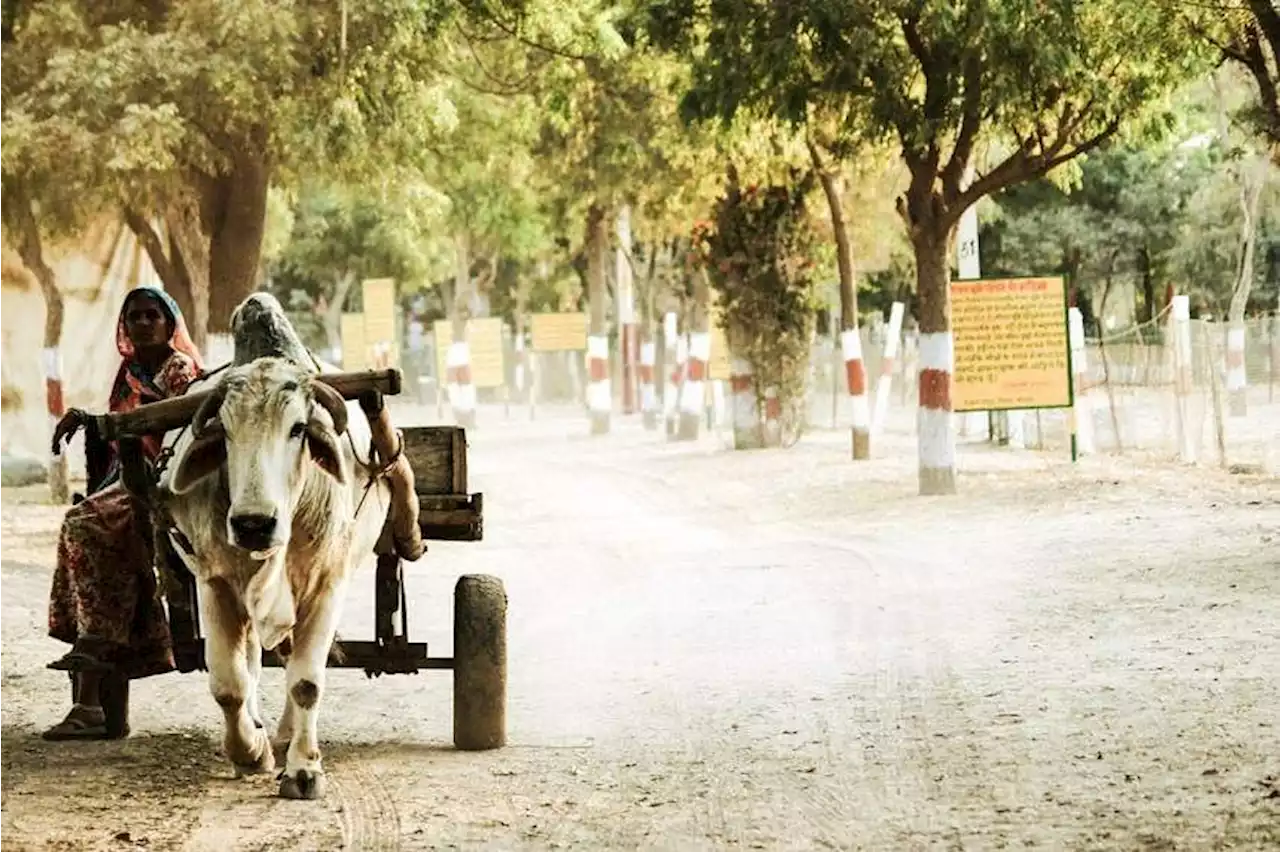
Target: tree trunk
point(462, 392)
point(523, 375)
point(850, 339)
point(190, 265)
point(31, 250)
point(625, 311)
point(334, 310)
point(1149, 309)
point(599, 393)
point(1251, 184)
point(170, 254)
point(647, 297)
point(236, 218)
point(937, 449)
point(693, 390)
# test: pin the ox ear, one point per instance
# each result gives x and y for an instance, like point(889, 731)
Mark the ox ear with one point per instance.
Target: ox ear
point(322, 442)
point(202, 457)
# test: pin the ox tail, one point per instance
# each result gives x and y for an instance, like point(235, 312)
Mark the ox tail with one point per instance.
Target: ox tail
point(337, 654)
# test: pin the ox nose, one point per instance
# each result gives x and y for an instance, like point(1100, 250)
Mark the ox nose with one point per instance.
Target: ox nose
point(253, 531)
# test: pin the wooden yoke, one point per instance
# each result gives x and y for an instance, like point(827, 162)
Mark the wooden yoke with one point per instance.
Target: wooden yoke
point(156, 418)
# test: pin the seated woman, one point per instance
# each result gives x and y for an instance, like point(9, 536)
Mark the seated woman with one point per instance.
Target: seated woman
point(104, 600)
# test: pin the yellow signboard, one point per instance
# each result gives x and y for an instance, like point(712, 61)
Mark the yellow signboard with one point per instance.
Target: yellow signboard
point(484, 342)
point(1011, 345)
point(558, 332)
point(355, 355)
point(379, 296)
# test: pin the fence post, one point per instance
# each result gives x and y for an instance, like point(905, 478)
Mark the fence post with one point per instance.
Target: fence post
point(883, 386)
point(1182, 376)
point(1082, 413)
point(1237, 377)
point(1209, 337)
point(1275, 358)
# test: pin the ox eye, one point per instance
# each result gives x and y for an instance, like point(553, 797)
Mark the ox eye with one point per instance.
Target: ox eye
point(298, 430)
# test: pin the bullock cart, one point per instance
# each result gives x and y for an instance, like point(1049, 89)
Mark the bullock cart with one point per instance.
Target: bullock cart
point(438, 456)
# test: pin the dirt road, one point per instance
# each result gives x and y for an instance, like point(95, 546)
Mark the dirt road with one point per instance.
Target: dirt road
point(773, 650)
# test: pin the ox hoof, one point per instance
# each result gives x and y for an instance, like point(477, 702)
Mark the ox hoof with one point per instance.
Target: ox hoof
point(265, 762)
point(258, 767)
point(303, 784)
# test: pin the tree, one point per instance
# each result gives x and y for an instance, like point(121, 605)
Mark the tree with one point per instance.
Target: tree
point(1247, 34)
point(1056, 78)
point(50, 183)
point(182, 114)
point(342, 235)
point(757, 253)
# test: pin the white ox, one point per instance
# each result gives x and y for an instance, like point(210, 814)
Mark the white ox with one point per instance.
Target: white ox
point(268, 490)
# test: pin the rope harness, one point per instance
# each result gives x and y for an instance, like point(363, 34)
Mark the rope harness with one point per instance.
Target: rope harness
point(162, 521)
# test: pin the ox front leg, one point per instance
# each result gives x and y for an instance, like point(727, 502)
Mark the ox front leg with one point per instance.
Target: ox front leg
point(303, 776)
point(233, 681)
point(253, 664)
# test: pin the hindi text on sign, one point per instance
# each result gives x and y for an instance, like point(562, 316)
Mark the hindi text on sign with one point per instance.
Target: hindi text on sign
point(1011, 344)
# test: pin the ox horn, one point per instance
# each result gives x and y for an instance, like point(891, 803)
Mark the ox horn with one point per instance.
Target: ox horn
point(333, 403)
point(205, 423)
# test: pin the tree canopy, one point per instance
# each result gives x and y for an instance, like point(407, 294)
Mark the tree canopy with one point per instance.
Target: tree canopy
point(482, 151)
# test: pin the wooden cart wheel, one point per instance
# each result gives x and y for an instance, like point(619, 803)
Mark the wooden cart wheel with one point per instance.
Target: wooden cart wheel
point(479, 663)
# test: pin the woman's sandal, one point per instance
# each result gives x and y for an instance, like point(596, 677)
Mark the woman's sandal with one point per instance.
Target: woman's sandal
point(88, 654)
point(82, 723)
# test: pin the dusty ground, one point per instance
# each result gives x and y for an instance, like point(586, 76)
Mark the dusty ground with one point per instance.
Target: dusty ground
point(774, 650)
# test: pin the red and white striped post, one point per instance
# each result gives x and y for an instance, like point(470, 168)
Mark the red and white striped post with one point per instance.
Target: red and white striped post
point(1237, 376)
point(746, 414)
point(648, 392)
point(529, 363)
point(771, 434)
point(937, 443)
point(1082, 412)
point(692, 390)
point(674, 345)
point(520, 372)
point(462, 393)
point(51, 359)
point(599, 388)
point(885, 384)
point(855, 375)
point(628, 343)
point(624, 296)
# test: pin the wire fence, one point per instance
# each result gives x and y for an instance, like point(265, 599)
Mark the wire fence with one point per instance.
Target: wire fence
point(1130, 395)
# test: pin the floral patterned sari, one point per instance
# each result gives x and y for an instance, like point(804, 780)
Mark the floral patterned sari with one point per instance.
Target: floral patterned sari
point(103, 585)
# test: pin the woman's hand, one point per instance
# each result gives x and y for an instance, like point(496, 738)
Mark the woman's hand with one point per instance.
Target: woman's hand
point(67, 427)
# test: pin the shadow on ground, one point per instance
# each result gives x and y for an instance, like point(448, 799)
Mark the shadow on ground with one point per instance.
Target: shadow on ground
point(53, 789)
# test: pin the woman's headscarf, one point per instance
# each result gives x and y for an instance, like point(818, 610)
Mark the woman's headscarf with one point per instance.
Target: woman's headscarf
point(133, 383)
point(179, 337)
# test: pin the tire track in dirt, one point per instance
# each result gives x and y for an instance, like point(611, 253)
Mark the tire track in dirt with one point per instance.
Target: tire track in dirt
point(370, 820)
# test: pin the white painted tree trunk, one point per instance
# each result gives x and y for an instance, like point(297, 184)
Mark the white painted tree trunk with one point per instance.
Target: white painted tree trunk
point(937, 441)
point(599, 386)
point(746, 415)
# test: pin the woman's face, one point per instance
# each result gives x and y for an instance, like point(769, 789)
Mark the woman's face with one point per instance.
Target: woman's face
point(145, 322)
